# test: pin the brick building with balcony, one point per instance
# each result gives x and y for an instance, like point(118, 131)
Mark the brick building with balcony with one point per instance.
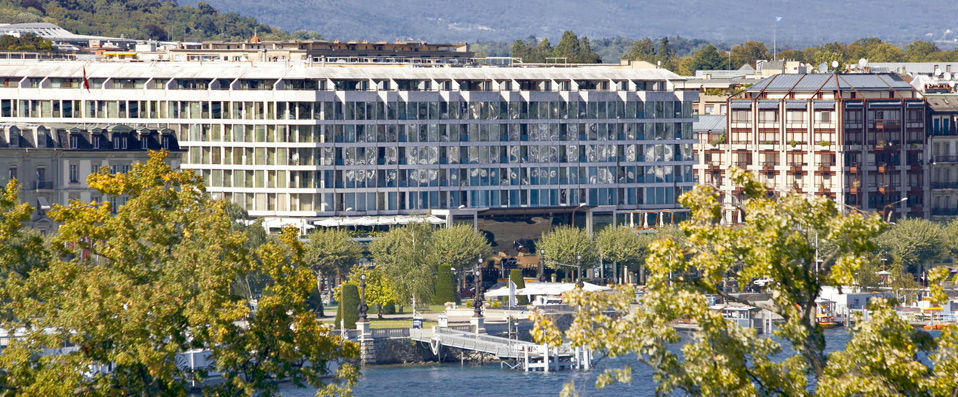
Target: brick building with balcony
point(856, 138)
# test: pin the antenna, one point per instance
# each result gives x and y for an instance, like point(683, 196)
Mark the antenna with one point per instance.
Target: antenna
point(947, 76)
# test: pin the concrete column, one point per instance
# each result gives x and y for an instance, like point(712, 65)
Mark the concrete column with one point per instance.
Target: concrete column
point(367, 348)
point(478, 325)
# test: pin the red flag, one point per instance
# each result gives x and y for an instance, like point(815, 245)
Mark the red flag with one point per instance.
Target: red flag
point(86, 82)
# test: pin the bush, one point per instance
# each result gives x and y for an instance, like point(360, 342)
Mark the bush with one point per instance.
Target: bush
point(348, 306)
point(389, 308)
point(515, 275)
point(445, 289)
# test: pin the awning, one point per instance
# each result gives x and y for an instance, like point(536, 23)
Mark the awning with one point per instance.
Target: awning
point(378, 220)
point(741, 105)
point(824, 105)
point(884, 104)
point(768, 105)
point(796, 105)
point(546, 289)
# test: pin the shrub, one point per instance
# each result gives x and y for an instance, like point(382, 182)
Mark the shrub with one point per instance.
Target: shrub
point(389, 308)
point(348, 306)
point(445, 289)
point(516, 276)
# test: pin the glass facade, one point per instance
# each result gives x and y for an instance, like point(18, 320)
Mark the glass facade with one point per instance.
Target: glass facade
point(371, 146)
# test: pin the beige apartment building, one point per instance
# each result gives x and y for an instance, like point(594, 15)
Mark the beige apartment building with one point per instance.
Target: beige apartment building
point(856, 138)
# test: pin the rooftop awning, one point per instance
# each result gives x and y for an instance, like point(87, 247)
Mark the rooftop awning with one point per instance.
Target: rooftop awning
point(741, 105)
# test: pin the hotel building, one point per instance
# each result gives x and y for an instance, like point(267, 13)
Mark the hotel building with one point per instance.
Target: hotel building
point(306, 142)
point(856, 138)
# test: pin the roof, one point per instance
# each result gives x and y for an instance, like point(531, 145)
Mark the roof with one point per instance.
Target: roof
point(275, 70)
point(942, 102)
point(709, 123)
point(830, 82)
point(913, 67)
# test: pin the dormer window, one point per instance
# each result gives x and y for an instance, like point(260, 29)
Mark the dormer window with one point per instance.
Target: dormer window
point(14, 138)
point(144, 142)
point(167, 142)
point(74, 141)
point(96, 141)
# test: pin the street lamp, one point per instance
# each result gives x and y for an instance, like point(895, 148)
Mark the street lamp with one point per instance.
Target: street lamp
point(477, 300)
point(362, 297)
point(890, 207)
point(541, 270)
point(578, 267)
point(574, 210)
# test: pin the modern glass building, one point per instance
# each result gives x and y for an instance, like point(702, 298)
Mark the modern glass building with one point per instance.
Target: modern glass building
point(312, 141)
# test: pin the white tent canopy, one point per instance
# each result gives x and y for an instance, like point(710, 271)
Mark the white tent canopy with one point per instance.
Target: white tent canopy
point(378, 220)
point(547, 289)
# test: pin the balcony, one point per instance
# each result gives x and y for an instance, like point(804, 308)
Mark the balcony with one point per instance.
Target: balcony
point(944, 185)
point(944, 211)
point(853, 190)
point(884, 168)
point(945, 159)
point(768, 166)
point(853, 168)
point(884, 190)
point(41, 185)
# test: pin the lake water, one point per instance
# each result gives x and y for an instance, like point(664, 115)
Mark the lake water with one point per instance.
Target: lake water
point(455, 380)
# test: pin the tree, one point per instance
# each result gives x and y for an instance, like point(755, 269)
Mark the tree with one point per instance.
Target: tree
point(348, 311)
point(284, 340)
point(403, 253)
point(586, 54)
point(136, 287)
point(445, 288)
point(883, 52)
point(749, 52)
point(459, 246)
point(330, 251)
point(515, 275)
point(708, 58)
point(641, 50)
point(920, 51)
point(379, 289)
point(665, 54)
point(568, 47)
point(21, 250)
point(568, 246)
point(779, 240)
point(623, 247)
point(916, 244)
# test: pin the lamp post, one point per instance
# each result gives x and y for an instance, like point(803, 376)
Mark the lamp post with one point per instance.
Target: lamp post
point(890, 207)
point(573, 212)
point(477, 299)
point(578, 267)
point(362, 297)
point(541, 270)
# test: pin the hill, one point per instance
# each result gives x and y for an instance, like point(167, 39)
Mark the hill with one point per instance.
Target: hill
point(140, 19)
point(805, 23)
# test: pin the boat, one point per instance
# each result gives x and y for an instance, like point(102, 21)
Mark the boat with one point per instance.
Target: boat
point(825, 315)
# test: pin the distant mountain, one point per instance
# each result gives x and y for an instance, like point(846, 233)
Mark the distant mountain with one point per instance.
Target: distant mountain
point(803, 22)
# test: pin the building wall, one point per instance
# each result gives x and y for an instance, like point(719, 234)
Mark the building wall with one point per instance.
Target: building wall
point(861, 153)
point(370, 146)
point(943, 147)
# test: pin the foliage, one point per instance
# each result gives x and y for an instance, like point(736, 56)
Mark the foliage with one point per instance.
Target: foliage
point(749, 52)
point(567, 246)
point(445, 289)
point(779, 240)
point(515, 275)
point(348, 311)
point(21, 250)
point(916, 244)
point(141, 19)
point(136, 287)
point(379, 289)
point(708, 58)
point(27, 42)
point(623, 246)
point(330, 251)
point(458, 246)
point(283, 340)
point(570, 48)
point(403, 254)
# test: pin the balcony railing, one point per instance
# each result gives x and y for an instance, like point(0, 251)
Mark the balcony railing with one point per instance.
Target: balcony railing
point(944, 211)
point(944, 185)
point(945, 159)
point(43, 185)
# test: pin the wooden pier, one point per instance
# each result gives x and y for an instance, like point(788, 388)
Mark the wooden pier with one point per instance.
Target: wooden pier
point(513, 353)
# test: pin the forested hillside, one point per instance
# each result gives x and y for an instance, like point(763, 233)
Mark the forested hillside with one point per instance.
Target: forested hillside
point(141, 19)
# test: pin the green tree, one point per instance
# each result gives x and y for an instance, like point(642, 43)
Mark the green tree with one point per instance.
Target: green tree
point(283, 339)
point(330, 251)
point(459, 246)
point(779, 239)
point(403, 253)
point(623, 247)
point(567, 247)
point(883, 52)
point(665, 54)
point(515, 275)
point(916, 244)
point(138, 286)
point(348, 311)
point(379, 289)
point(568, 47)
point(920, 51)
point(445, 288)
point(641, 50)
point(749, 52)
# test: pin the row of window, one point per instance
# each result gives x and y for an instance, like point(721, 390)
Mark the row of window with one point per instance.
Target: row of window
point(475, 177)
point(431, 155)
point(219, 110)
point(407, 201)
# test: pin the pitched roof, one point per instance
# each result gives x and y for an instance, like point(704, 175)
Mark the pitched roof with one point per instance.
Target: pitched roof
point(942, 102)
point(830, 82)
